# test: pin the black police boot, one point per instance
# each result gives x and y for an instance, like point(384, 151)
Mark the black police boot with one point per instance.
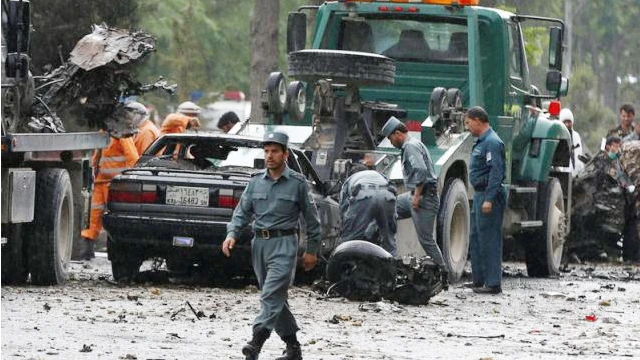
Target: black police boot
point(251, 350)
point(293, 351)
point(445, 277)
point(87, 252)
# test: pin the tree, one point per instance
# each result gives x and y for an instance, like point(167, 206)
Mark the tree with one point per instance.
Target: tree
point(57, 27)
point(264, 42)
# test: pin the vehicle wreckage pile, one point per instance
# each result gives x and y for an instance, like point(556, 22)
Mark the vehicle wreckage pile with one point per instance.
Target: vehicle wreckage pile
point(362, 271)
point(88, 87)
point(599, 216)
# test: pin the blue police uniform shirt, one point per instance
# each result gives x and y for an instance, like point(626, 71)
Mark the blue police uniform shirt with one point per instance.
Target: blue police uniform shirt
point(277, 205)
point(487, 166)
point(417, 167)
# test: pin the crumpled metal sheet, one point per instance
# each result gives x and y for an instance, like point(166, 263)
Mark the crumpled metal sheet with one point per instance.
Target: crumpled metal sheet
point(83, 94)
point(107, 44)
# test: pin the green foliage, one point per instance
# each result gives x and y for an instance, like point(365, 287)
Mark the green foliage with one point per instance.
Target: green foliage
point(592, 119)
point(57, 27)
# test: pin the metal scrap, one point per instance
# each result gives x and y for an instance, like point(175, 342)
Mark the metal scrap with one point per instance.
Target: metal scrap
point(416, 281)
point(88, 87)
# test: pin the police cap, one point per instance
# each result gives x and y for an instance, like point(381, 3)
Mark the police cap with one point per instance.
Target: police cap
point(276, 137)
point(390, 126)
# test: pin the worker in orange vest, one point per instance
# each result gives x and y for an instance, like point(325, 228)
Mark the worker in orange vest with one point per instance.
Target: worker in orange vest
point(120, 154)
point(147, 131)
point(186, 118)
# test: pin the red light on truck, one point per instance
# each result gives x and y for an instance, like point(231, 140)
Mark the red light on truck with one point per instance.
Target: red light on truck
point(554, 108)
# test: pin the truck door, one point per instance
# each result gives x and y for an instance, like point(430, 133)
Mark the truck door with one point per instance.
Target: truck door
point(518, 84)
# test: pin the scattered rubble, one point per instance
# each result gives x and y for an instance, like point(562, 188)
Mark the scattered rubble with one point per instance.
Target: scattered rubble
point(362, 271)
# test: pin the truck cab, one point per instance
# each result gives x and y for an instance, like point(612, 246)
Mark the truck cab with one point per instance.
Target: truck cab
point(425, 62)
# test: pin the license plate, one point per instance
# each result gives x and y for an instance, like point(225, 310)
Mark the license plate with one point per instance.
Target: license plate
point(182, 241)
point(187, 196)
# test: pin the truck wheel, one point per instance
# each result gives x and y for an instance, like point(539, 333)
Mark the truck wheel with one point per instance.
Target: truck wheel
point(14, 269)
point(125, 260)
point(544, 251)
point(364, 270)
point(51, 232)
point(296, 100)
point(343, 67)
point(453, 227)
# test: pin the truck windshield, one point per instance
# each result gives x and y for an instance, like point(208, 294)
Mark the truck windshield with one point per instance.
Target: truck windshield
point(404, 39)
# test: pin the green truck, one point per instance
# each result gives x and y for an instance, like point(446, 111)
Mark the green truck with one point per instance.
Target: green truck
point(425, 62)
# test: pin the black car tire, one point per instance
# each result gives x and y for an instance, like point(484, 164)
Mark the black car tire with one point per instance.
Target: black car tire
point(125, 260)
point(343, 67)
point(375, 265)
point(51, 232)
point(14, 265)
point(544, 251)
point(453, 228)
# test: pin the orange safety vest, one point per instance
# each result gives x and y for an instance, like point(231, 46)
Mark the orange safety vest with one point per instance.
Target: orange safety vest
point(147, 133)
point(175, 123)
point(119, 155)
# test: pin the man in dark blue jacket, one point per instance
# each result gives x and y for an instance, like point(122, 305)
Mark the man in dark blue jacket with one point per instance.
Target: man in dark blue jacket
point(487, 172)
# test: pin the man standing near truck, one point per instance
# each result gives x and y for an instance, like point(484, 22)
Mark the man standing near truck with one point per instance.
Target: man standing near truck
point(148, 132)
point(120, 154)
point(274, 199)
point(422, 203)
point(486, 174)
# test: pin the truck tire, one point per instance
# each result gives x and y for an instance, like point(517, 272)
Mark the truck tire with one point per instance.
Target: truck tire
point(343, 67)
point(14, 265)
point(51, 232)
point(453, 227)
point(544, 250)
point(125, 260)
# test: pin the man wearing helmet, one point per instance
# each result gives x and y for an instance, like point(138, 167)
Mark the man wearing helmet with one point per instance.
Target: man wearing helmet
point(566, 116)
point(147, 131)
point(184, 119)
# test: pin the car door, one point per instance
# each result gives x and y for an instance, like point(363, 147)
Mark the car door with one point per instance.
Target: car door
point(327, 207)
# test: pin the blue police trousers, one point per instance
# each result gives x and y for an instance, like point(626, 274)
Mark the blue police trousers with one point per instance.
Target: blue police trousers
point(485, 241)
point(423, 218)
point(274, 263)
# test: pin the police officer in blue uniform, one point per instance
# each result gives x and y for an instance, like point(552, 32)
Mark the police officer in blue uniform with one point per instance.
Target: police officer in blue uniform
point(422, 203)
point(368, 207)
point(275, 198)
point(487, 171)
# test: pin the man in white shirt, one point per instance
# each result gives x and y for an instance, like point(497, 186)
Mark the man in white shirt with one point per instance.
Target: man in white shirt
point(566, 116)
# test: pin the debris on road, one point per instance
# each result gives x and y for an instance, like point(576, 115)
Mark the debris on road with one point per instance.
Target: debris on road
point(362, 271)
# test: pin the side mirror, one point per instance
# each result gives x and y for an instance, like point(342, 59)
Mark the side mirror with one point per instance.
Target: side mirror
point(564, 87)
point(296, 31)
point(555, 48)
point(554, 80)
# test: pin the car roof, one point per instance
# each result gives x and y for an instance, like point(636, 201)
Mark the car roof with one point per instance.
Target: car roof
point(199, 136)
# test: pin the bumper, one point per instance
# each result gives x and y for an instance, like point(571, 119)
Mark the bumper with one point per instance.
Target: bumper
point(164, 236)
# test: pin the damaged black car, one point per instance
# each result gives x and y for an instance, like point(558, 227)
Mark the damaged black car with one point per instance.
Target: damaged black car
point(176, 202)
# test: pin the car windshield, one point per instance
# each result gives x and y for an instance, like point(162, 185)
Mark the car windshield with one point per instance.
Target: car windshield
point(203, 153)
